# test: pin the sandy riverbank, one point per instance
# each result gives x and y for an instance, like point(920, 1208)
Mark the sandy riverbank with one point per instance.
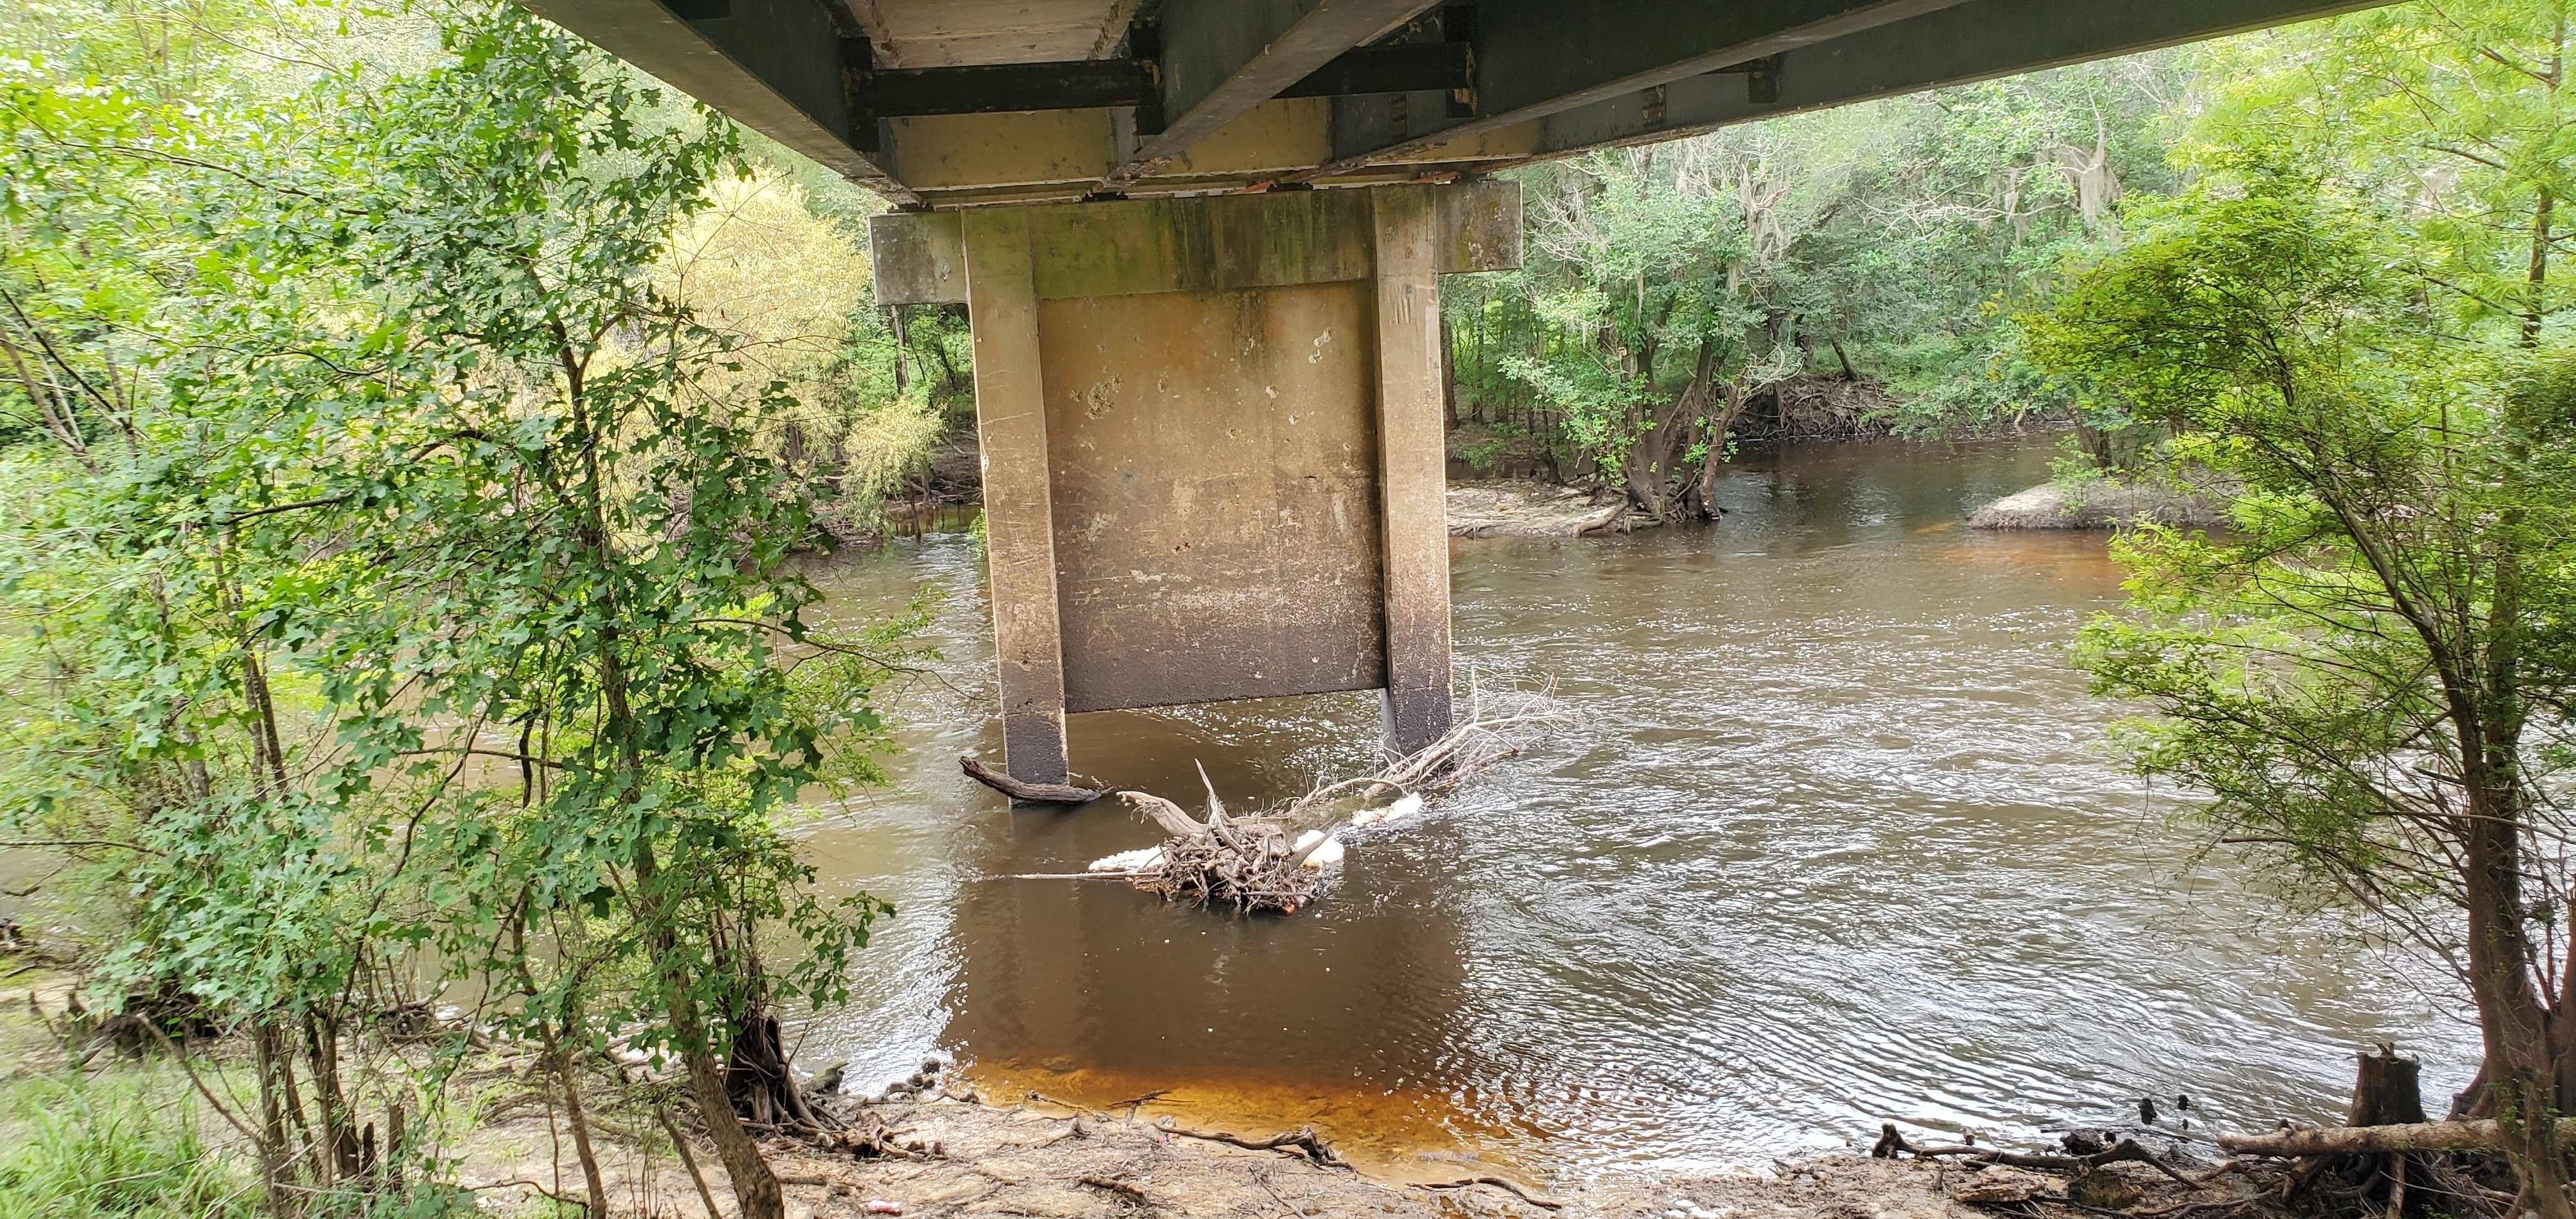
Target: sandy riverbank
point(2101, 505)
point(1059, 1162)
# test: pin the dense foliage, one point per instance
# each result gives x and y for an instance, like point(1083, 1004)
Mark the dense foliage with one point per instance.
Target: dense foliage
point(406, 469)
point(1865, 270)
point(2351, 317)
point(1848, 272)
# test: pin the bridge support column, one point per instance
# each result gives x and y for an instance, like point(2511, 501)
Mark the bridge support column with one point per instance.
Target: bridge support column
point(1213, 443)
point(1413, 470)
point(1019, 524)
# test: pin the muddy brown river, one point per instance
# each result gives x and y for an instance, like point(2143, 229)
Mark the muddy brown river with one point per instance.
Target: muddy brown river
point(1835, 842)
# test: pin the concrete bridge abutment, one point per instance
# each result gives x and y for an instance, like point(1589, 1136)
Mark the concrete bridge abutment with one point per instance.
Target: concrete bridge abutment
point(1213, 439)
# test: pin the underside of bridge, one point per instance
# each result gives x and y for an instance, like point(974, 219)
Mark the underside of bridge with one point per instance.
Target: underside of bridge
point(1207, 384)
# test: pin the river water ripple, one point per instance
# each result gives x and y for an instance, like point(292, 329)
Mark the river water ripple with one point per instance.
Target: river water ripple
point(1835, 842)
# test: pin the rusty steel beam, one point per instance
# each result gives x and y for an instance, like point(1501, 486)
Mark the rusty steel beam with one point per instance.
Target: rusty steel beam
point(1221, 58)
point(1974, 41)
point(1537, 57)
point(1411, 68)
point(772, 65)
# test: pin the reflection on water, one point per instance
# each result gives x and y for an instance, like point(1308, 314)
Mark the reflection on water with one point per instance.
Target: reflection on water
point(1836, 842)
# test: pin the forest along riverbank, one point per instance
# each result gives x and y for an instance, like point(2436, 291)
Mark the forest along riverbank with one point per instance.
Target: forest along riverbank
point(1834, 844)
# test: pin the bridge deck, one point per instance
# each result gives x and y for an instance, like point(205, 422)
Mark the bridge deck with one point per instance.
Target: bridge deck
point(948, 103)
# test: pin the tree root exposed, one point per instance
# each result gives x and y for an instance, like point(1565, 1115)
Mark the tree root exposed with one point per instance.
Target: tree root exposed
point(2125, 1151)
point(2386, 1160)
point(1113, 1186)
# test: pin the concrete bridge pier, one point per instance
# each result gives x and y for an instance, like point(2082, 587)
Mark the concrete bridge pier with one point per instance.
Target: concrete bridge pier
point(1213, 442)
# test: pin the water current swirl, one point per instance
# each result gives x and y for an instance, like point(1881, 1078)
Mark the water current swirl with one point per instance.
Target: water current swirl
point(1836, 841)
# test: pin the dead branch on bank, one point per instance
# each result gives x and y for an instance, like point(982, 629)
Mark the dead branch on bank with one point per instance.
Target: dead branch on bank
point(1501, 1183)
point(1026, 793)
point(867, 1136)
point(1300, 1141)
point(2483, 1135)
point(2125, 1151)
point(2386, 1160)
point(1114, 1186)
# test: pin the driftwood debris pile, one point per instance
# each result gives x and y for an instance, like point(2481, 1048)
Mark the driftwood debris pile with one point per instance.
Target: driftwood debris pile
point(1250, 863)
point(1279, 861)
point(1482, 739)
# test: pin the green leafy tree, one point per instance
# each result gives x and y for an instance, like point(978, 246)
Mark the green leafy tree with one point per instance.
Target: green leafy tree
point(2367, 682)
point(1891, 244)
point(2457, 113)
point(1632, 259)
point(408, 573)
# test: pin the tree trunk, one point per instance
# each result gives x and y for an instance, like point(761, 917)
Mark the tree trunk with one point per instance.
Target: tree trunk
point(396, 1138)
point(1449, 374)
point(2521, 1074)
point(1654, 462)
point(273, 1162)
point(757, 1075)
point(339, 1130)
point(2472, 1101)
point(755, 1187)
point(902, 348)
point(2538, 276)
point(317, 1167)
point(1849, 373)
point(2385, 1090)
point(2377, 1140)
point(1700, 498)
point(596, 1185)
point(2562, 1030)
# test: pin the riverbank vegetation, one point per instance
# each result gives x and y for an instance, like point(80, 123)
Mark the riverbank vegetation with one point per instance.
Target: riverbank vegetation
point(1853, 272)
point(406, 667)
point(1869, 270)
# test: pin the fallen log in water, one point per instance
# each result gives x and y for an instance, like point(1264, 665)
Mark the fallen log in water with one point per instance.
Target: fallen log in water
point(1026, 793)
